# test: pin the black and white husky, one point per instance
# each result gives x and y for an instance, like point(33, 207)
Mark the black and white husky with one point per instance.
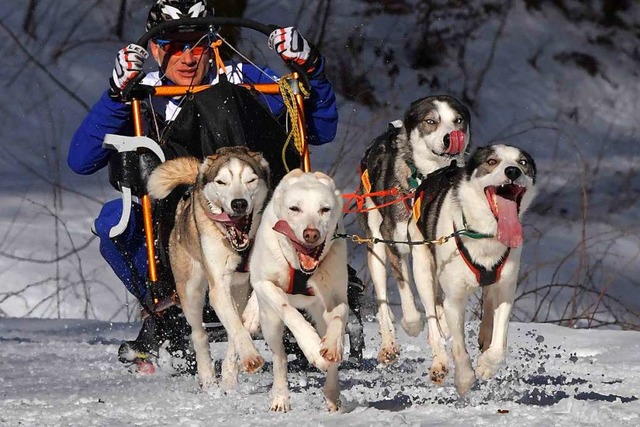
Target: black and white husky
point(482, 206)
point(433, 134)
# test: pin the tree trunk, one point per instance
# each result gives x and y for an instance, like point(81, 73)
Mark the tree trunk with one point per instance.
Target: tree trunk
point(121, 16)
point(229, 8)
point(29, 24)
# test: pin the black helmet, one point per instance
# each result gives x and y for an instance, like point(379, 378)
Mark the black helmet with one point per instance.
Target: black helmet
point(167, 10)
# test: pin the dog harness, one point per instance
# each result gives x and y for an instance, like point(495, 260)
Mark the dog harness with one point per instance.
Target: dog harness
point(298, 283)
point(484, 277)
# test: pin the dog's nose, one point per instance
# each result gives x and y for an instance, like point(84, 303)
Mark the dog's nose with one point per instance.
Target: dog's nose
point(239, 205)
point(446, 141)
point(311, 235)
point(512, 173)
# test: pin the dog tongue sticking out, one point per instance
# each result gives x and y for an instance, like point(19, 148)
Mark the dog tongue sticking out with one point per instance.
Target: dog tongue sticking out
point(456, 142)
point(505, 204)
point(308, 256)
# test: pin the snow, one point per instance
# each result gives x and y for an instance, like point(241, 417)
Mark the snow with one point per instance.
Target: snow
point(65, 372)
point(63, 313)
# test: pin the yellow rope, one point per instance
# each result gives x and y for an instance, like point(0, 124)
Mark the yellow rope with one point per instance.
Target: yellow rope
point(290, 103)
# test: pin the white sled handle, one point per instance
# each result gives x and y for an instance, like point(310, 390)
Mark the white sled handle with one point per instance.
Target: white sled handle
point(132, 143)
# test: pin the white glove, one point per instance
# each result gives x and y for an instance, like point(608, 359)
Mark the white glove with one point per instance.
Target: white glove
point(129, 64)
point(292, 47)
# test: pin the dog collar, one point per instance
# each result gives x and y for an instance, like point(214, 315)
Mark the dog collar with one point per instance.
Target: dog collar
point(415, 179)
point(484, 277)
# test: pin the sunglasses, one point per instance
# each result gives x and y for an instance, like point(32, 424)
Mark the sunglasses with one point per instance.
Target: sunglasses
point(177, 48)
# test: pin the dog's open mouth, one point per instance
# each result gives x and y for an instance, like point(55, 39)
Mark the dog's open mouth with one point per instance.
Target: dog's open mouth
point(309, 256)
point(237, 229)
point(504, 201)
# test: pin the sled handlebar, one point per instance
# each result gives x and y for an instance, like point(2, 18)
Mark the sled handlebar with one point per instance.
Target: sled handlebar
point(205, 24)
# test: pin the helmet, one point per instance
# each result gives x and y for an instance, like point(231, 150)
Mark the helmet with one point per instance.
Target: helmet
point(166, 10)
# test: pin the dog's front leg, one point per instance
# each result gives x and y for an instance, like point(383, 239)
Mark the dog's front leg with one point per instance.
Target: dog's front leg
point(389, 349)
point(223, 304)
point(331, 346)
point(191, 291)
point(455, 305)
point(272, 296)
point(501, 296)
point(251, 315)
point(322, 319)
point(412, 320)
point(424, 274)
point(273, 331)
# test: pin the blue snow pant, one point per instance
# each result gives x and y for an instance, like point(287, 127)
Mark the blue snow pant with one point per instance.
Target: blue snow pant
point(126, 253)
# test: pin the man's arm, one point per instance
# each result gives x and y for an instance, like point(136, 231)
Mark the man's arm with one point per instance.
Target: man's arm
point(109, 115)
point(86, 154)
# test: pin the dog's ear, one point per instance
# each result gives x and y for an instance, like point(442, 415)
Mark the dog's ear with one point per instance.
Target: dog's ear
point(260, 159)
point(206, 164)
point(293, 176)
point(326, 180)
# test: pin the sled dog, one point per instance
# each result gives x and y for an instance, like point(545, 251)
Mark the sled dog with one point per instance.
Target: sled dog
point(481, 207)
point(433, 134)
point(295, 241)
point(209, 245)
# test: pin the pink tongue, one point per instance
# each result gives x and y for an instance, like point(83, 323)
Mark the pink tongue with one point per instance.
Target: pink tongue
point(222, 217)
point(509, 227)
point(283, 227)
point(456, 142)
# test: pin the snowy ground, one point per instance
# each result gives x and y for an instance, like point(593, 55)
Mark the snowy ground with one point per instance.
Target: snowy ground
point(65, 372)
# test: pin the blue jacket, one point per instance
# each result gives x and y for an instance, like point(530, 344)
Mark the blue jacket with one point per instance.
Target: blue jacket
point(86, 154)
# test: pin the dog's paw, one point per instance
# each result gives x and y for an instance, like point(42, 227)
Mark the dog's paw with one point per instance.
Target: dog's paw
point(389, 354)
point(333, 405)
point(280, 403)
point(253, 363)
point(412, 326)
point(206, 383)
point(487, 366)
point(464, 379)
point(251, 316)
point(228, 382)
point(439, 372)
point(331, 353)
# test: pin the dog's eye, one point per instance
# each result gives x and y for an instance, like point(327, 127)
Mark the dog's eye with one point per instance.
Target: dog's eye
point(325, 210)
point(458, 120)
point(294, 209)
point(523, 162)
point(492, 162)
point(430, 121)
point(220, 182)
point(252, 180)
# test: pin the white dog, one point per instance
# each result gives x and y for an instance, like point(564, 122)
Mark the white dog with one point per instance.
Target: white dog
point(481, 206)
point(295, 240)
point(214, 230)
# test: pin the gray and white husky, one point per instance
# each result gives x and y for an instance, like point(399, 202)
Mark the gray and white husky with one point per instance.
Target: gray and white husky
point(482, 205)
point(434, 133)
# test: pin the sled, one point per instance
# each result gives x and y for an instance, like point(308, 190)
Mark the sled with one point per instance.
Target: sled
point(138, 154)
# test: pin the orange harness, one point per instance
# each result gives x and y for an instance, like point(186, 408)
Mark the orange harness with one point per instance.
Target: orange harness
point(360, 199)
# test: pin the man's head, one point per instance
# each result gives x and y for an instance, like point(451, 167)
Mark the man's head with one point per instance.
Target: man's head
point(183, 56)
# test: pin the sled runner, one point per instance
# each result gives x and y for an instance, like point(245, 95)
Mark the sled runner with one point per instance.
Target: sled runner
point(201, 127)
